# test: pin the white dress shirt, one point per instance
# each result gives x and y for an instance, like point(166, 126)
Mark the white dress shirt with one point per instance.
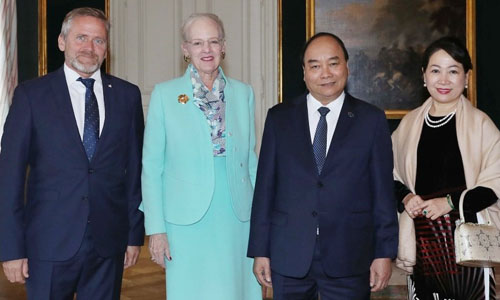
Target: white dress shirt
point(331, 118)
point(77, 94)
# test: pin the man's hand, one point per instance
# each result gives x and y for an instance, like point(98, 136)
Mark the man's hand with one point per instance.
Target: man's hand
point(159, 248)
point(380, 272)
point(131, 256)
point(262, 270)
point(16, 270)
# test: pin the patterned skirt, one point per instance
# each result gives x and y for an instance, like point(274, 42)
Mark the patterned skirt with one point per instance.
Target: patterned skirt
point(436, 274)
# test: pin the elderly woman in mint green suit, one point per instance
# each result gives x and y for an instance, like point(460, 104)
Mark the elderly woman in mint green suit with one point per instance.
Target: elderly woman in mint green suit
point(198, 173)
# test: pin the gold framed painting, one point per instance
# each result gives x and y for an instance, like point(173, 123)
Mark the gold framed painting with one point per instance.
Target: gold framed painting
point(50, 17)
point(385, 40)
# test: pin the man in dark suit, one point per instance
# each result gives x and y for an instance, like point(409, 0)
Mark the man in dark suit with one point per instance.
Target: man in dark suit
point(80, 133)
point(324, 217)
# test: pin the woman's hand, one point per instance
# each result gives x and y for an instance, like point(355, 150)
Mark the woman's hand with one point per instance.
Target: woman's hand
point(159, 248)
point(435, 208)
point(412, 203)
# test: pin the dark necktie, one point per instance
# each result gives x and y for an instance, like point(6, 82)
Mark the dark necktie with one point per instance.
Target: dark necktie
point(91, 122)
point(319, 143)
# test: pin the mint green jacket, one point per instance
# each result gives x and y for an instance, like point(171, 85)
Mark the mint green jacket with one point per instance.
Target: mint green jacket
point(178, 176)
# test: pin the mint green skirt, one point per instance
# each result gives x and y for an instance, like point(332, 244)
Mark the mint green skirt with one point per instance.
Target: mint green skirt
point(209, 257)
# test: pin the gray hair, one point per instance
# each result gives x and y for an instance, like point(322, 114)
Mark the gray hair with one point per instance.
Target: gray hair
point(83, 12)
point(197, 16)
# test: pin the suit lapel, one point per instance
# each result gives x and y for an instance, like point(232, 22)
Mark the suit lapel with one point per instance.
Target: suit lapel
point(305, 149)
point(230, 101)
point(109, 101)
point(346, 118)
point(63, 101)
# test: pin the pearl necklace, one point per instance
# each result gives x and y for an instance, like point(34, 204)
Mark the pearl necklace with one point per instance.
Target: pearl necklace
point(438, 123)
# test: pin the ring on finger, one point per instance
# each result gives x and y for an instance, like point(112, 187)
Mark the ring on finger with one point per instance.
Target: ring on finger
point(425, 212)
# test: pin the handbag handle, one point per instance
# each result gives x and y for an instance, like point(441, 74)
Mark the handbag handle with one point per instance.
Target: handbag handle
point(461, 211)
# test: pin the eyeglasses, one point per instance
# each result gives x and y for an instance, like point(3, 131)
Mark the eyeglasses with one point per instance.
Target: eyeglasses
point(212, 43)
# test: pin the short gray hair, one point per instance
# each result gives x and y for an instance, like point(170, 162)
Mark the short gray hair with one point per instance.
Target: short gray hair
point(83, 12)
point(197, 16)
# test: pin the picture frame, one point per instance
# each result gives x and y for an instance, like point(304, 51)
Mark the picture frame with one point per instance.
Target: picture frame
point(50, 17)
point(368, 79)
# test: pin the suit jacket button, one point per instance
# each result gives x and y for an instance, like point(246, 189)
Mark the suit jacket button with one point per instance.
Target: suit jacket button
point(314, 214)
point(91, 171)
point(85, 198)
point(320, 184)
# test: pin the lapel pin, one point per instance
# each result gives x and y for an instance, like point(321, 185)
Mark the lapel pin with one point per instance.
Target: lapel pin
point(109, 85)
point(183, 98)
point(350, 114)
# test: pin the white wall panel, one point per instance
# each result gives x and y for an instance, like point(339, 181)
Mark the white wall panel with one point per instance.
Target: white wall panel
point(159, 53)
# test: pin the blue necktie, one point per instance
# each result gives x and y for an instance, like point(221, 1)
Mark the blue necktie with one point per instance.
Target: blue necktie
point(91, 123)
point(319, 143)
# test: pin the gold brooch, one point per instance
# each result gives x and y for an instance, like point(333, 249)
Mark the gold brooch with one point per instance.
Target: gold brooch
point(183, 98)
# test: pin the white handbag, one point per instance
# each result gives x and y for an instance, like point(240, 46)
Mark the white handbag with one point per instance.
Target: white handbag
point(476, 245)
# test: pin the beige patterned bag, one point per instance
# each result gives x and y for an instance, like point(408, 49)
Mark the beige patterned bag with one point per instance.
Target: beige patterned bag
point(476, 245)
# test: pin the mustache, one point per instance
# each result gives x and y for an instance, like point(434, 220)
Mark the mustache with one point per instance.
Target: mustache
point(87, 53)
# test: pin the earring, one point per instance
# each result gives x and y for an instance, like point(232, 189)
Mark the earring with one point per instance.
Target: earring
point(466, 86)
point(223, 55)
point(187, 59)
point(425, 84)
